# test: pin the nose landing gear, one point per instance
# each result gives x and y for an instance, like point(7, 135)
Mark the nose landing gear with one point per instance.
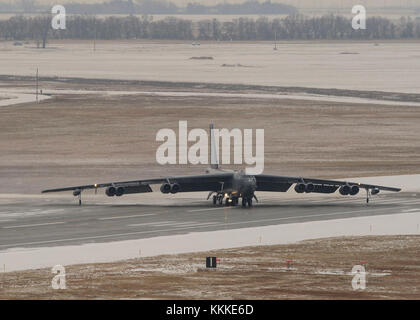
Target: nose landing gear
point(230, 201)
point(218, 199)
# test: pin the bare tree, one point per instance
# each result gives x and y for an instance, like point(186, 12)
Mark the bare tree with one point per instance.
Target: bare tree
point(294, 27)
point(42, 25)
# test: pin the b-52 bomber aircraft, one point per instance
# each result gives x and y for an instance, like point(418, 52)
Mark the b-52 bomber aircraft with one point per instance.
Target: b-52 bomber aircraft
point(230, 185)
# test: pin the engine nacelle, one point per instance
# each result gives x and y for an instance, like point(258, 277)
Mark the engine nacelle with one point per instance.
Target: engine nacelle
point(165, 188)
point(345, 190)
point(300, 188)
point(375, 191)
point(354, 190)
point(309, 188)
point(76, 192)
point(110, 191)
point(119, 191)
point(175, 188)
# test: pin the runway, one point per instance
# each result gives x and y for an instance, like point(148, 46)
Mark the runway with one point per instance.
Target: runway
point(38, 223)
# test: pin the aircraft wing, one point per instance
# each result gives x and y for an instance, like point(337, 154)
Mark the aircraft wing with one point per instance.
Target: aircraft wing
point(204, 182)
point(282, 184)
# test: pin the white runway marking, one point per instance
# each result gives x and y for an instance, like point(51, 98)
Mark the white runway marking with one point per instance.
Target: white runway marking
point(33, 225)
point(198, 224)
point(184, 228)
point(156, 223)
point(412, 210)
point(180, 223)
point(346, 201)
point(126, 217)
point(208, 209)
point(399, 202)
point(172, 224)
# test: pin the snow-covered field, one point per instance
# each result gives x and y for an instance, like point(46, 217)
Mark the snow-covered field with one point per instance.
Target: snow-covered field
point(12, 97)
point(24, 95)
point(389, 66)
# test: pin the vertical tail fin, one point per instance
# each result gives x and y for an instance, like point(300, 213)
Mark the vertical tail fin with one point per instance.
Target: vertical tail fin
point(214, 146)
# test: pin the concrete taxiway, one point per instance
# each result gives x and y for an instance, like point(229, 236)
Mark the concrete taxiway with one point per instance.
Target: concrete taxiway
point(41, 223)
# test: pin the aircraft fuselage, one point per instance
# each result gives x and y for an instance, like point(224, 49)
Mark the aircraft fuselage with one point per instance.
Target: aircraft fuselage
point(243, 185)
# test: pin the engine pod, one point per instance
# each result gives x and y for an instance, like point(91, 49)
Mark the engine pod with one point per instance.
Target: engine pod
point(354, 190)
point(110, 191)
point(309, 188)
point(345, 190)
point(300, 188)
point(374, 191)
point(165, 188)
point(119, 191)
point(175, 188)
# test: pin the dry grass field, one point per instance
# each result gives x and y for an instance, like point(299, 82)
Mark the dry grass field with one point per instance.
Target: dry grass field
point(80, 138)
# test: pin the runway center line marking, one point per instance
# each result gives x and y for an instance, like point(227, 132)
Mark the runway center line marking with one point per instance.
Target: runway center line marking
point(33, 225)
point(346, 200)
point(175, 224)
point(157, 223)
point(208, 209)
point(404, 202)
point(177, 229)
point(411, 210)
point(198, 224)
point(350, 202)
point(132, 216)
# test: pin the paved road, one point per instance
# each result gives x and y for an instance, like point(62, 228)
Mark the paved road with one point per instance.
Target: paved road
point(39, 223)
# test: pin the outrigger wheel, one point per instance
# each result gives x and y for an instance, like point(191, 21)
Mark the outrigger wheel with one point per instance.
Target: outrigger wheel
point(367, 196)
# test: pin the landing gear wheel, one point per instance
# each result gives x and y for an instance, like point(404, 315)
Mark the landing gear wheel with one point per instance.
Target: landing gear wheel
point(227, 202)
point(243, 202)
point(220, 200)
point(214, 200)
point(250, 202)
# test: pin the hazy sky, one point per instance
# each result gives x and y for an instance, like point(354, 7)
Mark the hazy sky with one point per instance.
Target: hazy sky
point(322, 4)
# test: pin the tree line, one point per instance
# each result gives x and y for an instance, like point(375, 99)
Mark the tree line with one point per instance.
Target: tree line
point(293, 27)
